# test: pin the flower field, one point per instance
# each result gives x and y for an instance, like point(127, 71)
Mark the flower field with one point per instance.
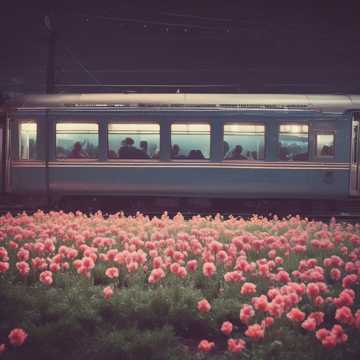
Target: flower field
point(74, 286)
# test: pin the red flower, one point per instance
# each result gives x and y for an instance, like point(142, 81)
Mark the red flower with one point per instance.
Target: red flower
point(46, 277)
point(296, 314)
point(236, 345)
point(108, 292)
point(248, 288)
point(255, 332)
point(312, 290)
point(309, 324)
point(344, 315)
point(17, 337)
point(246, 312)
point(112, 272)
point(205, 346)
point(209, 269)
point(203, 306)
point(192, 265)
point(226, 327)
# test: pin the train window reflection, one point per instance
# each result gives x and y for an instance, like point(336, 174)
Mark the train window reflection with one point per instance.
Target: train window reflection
point(27, 140)
point(190, 141)
point(77, 140)
point(244, 141)
point(294, 142)
point(134, 141)
point(325, 145)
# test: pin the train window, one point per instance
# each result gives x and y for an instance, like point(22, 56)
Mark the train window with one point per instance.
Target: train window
point(27, 140)
point(134, 141)
point(77, 140)
point(190, 141)
point(294, 142)
point(325, 144)
point(244, 141)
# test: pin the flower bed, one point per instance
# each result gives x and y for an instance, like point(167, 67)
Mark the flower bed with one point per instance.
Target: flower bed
point(87, 287)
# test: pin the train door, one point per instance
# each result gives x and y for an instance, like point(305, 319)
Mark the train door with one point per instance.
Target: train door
point(355, 160)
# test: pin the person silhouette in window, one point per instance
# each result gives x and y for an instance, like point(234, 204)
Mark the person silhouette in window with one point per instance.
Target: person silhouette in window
point(196, 154)
point(326, 151)
point(77, 152)
point(129, 151)
point(175, 152)
point(144, 149)
point(236, 154)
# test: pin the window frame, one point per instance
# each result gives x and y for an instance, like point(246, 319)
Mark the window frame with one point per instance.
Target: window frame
point(27, 121)
point(187, 122)
point(244, 123)
point(131, 122)
point(82, 121)
point(324, 132)
point(301, 122)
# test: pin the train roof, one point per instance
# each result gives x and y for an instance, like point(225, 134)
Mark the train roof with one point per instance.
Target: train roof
point(305, 102)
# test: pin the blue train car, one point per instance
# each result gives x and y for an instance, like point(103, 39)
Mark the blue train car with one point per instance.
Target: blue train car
point(244, 146)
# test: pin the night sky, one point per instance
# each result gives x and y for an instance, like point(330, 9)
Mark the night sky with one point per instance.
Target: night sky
point(224, 47)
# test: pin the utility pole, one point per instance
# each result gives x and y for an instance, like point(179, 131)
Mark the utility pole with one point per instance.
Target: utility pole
point(50, 70)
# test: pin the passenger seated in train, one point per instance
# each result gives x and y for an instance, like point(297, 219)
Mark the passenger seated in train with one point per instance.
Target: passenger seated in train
point(175, 152)
point(195, 154)
point(144, 149)
point(327, 151)
point(236, 154)
point(129, 151)
point(77, 152)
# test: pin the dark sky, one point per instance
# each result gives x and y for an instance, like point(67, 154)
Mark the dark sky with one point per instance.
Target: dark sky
point(258, 46)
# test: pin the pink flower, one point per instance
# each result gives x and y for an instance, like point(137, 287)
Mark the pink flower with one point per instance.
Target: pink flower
point(206, 346)
point(248, 288)
point(260, 303)
point(296, 314)
point(112, 272)
point(4, 266)
point(309, 324)
point(226, 328)
point(46, 277)
point(335, 274)
point(312, 290)
point(17, 337)
point(246, 312)
point(2, 348)
point(88, 263)
point(282, 276)
point(108, 292)
point(203, 306)
point(209, 269)
point(236, 345)
point(344, 315)
point(317, 316)
point(156, 275)
point(255, 332)
point(23, 267)
point(349, 280)
point(192, 265)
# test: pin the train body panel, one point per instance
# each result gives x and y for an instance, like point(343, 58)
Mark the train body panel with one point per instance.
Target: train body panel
point(279, 126)
point(199, 180)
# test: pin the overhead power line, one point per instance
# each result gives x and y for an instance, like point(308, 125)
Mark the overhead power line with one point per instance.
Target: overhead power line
point(145, 22)
point(196, 17)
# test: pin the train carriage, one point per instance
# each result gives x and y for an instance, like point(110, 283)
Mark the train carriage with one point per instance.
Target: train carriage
point(182, 145)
